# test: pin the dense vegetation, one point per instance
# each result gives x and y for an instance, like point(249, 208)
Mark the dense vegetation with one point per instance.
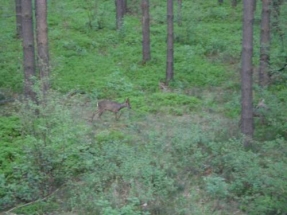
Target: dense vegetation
point(177, 151)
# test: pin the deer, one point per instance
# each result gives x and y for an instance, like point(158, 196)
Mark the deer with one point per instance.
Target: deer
point(108, 105)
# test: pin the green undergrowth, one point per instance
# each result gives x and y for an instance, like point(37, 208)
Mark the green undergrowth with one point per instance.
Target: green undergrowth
point(169, 103)
point(10, 143)
point(154, 163)
point(177, 151)
point(85, 56)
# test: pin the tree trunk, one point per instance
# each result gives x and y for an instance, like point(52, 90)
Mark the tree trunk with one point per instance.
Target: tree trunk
point(145, 31)
point(125, 7)
point(264, 43)
point(247, 125)
point(18, 9)
point(276, 9)
point(276, 19)
point(28, 49)
point(179, 9)
point(169, 62)
point(234, 3)
point(42, 44)
point(119, 13)
point(220, 2)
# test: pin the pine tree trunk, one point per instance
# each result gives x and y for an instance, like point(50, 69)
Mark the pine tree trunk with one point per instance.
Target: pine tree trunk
point(28, 49)
point(179, 9)
point(234, 3)
point(264, 43)
point(276, 19)
point(276, 9)
point(42, 43)
point(125, 7)
point(169, 62)
point(247, 125)
point(145, 31)
point(18, 9)
point(119, 13)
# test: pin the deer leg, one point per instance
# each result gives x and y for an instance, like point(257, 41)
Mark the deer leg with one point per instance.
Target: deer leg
point(93, 116)
point(100, 114)
point(120, 114)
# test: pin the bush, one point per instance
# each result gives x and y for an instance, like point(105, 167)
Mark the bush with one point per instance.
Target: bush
point(253, 179)
point(50, 145)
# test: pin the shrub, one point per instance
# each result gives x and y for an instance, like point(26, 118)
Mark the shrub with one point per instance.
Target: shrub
point(50, 144)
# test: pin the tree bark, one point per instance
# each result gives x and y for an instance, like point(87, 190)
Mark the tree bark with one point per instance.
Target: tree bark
point(28, 49)
point(234, 3)
point(18, 9)
point(42, 44)
point(276, 9)
point(119, 13)
point(146, 31)
point(179, 9)
point(169, 62)
point(276, 19)
point(247, 125)
point(220, 2)
point(264, 43)
point(125, 7)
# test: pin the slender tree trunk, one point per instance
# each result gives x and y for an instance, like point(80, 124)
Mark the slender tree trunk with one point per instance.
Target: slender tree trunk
point(220, 2)
point(125, 6)
point(42, 43)
point(276, 17)
point(145, 31)
point(169, 62)
point(276, 9)
point(119, 13)
point(247, 125)
point(18, 9)
point(179, 9)
point(234, 3)
point(28, 49)
point(264, 43)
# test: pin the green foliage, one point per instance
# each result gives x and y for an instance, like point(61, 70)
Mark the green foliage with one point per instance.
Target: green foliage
point(250, 177)
point(10, 133)
point(49, 148)
point(232, 106)
point(271, 122)
point(172, 103)
point(217, 13)
point(216, 186)
point(179, 149)
point(10, 152)
point(138, 177)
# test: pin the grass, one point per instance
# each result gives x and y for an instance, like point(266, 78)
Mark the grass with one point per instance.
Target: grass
point(177, 151)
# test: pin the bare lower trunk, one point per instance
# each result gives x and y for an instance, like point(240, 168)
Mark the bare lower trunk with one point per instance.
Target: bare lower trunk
point(234, 3)
point(264, 43)
point(145, 31)
point(169, 62)
point(119, 13)
point(125, 6)
point(276, 19)
point(42, 43)
point(179, 9)
point(18, 9)
point(28, 49)
point(247, 126)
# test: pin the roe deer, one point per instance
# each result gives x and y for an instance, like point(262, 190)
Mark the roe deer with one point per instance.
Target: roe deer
point(107, 105)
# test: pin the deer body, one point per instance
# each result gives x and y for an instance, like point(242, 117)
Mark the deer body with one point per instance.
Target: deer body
point(115, 107)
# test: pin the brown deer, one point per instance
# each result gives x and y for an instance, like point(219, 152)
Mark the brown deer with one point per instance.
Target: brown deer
point(107, 105)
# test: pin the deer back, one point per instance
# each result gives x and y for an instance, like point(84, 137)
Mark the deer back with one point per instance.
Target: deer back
point(107, 105)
